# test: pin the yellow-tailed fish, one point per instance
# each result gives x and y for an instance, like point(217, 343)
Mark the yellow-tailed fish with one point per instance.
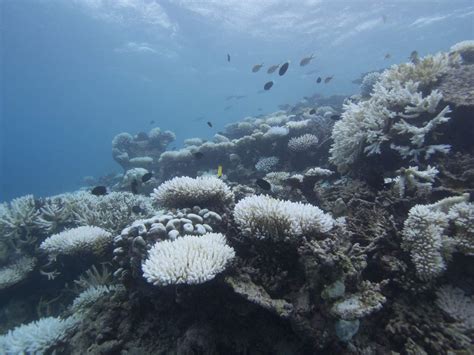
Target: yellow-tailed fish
point(219, 171)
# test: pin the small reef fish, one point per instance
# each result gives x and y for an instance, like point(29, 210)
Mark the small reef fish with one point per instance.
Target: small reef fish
point(414, 57)
point(209, 124)
point(137, 209)
point(146, 177)
point(228, 57)
point(99, 191)
point(134, 187)
point(268, 85)
point(219, 171)
point(273, 68)
point(305, 61)
point(319, 79)
point(263, 184)
point(312, 111)
point(328, 79)
point(256, 67)
point(198, 155)
point(387, 56)
point(283, 68)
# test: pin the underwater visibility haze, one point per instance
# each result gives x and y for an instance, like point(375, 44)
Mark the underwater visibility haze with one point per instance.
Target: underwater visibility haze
point(236, 177)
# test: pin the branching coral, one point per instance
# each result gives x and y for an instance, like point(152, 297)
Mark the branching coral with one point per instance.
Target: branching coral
point(16, 272)
point(90, 295)
point(19, 219)
point(456, 305)
point(303, 143)
point(187, 260)
point(264, 217)
point(414, 179)
point(188, 192)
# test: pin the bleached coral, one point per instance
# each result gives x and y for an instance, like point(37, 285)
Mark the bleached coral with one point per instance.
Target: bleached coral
point(456, 305)
point(303, 143)
point(462, 215)
point(368, 84)
point(89, 296)
point(276, 132)
point(193, 142)
point(19, 218)
point(38, 336)
point(122, 140)
point(267, 164)
point(187, 260)
point(78, 240)
point(141, 161)
point(411, 178)
point(424, 234)
point(16, 271)
point(185, 191)
point(465, 49)
point(264, 217)
point(317, 171)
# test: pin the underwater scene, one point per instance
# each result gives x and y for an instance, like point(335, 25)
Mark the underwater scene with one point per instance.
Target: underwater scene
point(237, 177)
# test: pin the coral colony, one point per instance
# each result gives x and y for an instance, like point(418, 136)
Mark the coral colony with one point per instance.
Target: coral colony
point(358, 237)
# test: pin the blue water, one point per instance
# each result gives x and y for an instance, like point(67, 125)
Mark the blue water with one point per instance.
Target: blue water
point(76, 73)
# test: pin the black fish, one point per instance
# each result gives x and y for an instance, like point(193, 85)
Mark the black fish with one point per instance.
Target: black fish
point(312, 111)
point(209, 124)
point(198, 155)
point(263, 184)
point(137, 209)
point(268, 85)
point(335, 117)
point(328, 79)
point(146, 177)
point(134, 187)
point(283, 69)
point(228, 57)
point(99, 191)
point(318, 80)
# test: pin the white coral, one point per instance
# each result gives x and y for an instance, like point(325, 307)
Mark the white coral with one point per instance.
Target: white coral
point(187, 260)
point(19, 218)
point(264, 217)
point(412, 178)
point(267, 164)
point(303, 143)
point(185, 191)
point(84, 239)
point(89, 296)
point(456, 305)
point(16, 272)
point(38, 336)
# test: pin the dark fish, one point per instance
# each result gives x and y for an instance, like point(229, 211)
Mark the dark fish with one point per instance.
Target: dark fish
point(312, 111)
point(152, 122)
point(263, 184)
point(268, 85)
point(99, 191)
point(256, 67)
point(328, 79)
point(306, 60)
point(318, 80)
point(283, 69)
point(414, 58)
point(134, 187)
point(335, 117)
point(228, 57)
point(146, 177)
point(198, 155)
point(209, 124)
point(273, 68)
point(387, 56)
point(137, 209)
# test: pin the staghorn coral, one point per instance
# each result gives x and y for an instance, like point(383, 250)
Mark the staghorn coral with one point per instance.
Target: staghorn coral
point(412, 178)
point(187, 192)
point(19, 219)
point(78, 240)
point(187, 260)
point(264, 217)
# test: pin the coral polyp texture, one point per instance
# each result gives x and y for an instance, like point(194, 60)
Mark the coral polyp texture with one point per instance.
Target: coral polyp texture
point(264, 217)
point(78, 240)
point(188, 192)
point(187, 260)
point(303, 143)
point(16, 271)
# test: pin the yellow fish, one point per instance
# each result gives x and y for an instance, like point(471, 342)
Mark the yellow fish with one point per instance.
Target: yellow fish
point(219, 171)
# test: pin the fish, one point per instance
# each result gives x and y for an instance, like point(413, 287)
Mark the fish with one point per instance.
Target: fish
point(99, 191)
point(387, 56)
point(256, 67)
point(209, 124)
point(312, 111)
point(228, 57)
point(147, 177)
point(306, 60)
point(335, 117)
point(259, 109)
point(268, 85)
point(137, 209)
point(318, 80)
point(414, 57)
point(283, 68)
point(219, 171)
point(198, 155)
point(328, 79)
point(263, 184)
point(273, 68)
point(152, 122)
point(134, 187)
